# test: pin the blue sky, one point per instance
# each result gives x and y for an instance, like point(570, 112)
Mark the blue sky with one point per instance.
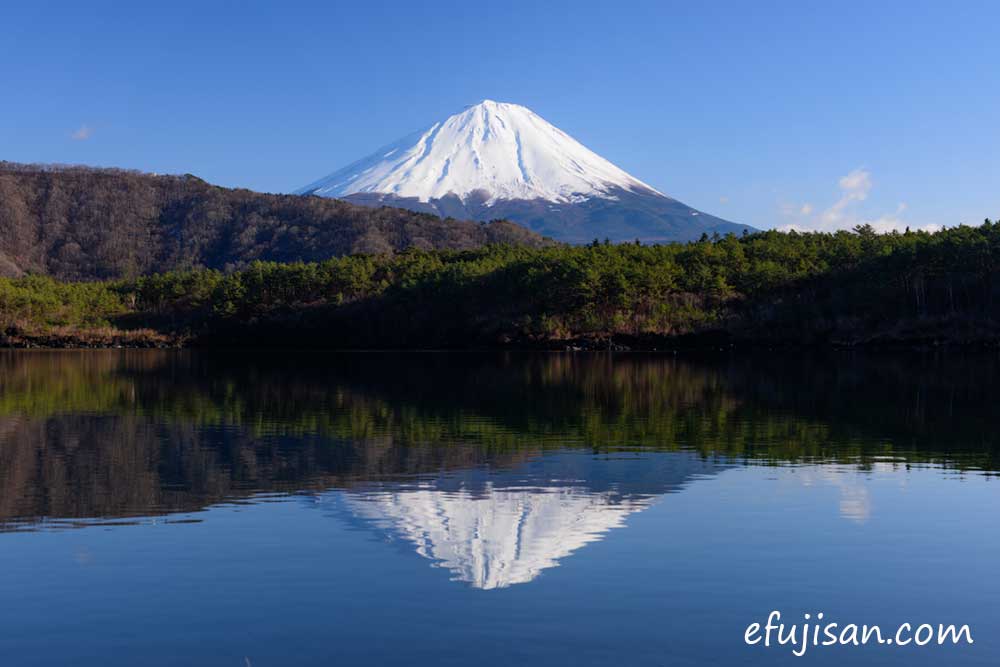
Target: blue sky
point(817, 115)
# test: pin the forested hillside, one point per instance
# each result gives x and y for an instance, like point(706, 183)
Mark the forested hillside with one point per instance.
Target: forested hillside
point(78, 223)
point(774, 288)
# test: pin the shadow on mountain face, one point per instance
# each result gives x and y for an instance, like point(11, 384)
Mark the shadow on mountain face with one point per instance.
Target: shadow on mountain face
point(625, 215)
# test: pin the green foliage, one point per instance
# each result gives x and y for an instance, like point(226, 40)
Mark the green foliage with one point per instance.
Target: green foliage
point(43, 301)
point(770, 284)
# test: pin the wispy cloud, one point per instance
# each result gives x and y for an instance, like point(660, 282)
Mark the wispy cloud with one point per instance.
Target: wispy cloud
point(854, 187)
point(843, 213)
point(83, 133)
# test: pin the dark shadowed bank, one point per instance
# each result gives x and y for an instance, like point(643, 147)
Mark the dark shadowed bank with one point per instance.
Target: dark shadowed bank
point(773, 289)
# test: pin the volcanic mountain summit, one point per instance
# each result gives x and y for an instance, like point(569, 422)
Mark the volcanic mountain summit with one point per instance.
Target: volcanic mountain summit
point(496, 160)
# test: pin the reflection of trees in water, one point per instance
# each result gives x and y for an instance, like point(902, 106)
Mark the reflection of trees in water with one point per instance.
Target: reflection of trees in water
point(138, 432)
point(110, 466)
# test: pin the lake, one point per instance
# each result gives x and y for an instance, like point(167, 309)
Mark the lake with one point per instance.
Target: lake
point(260, 507)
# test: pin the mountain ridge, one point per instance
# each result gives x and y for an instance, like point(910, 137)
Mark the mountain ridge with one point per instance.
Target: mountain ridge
point(84, 223)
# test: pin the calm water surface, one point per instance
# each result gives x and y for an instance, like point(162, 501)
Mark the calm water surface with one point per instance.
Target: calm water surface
point(272, 508)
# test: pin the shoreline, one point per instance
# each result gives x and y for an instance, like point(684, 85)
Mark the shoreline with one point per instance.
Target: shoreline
point(715, 341)
point(89, 339)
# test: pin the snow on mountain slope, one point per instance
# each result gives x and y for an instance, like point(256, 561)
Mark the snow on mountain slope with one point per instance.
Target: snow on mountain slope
point(502, 161)
point(497, 150)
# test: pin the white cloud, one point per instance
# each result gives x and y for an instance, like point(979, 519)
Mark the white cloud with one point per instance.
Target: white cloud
point(843, 213)
point(853, 188)
point(83, 133)
point(890, 221)
point(857, 184)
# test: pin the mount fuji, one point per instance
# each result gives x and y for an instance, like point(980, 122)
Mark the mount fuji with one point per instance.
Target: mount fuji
point(496, 160)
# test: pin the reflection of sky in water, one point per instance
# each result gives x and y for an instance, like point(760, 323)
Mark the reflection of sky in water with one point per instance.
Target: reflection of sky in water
point(646, 559)
point(299, 509)
point(491, 534)
point(855, 500)
point(854, 485)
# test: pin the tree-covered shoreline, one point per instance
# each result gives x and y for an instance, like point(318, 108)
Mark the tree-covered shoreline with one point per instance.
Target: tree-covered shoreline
point(772, 288)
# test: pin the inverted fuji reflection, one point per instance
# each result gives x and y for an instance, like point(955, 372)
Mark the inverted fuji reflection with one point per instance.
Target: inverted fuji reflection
point(496, 529)
point(500, 538)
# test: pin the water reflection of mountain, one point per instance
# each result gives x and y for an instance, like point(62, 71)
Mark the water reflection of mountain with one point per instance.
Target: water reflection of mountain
point(493, 530)
point(111, 434)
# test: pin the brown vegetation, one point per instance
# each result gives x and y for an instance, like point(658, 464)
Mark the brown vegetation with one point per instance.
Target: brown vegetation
point(79, 223)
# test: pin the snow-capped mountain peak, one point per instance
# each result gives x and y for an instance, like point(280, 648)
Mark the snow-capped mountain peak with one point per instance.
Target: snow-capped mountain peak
point(497, 150)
